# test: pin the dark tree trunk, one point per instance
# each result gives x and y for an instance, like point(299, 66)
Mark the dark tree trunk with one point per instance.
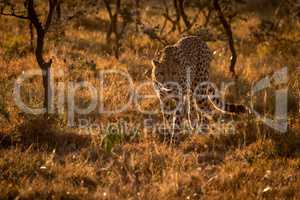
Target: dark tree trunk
point(116, 31)
point(113, 26)
point(109, 30)
point(41, 31)
point(58, 11)
point(137, 13)
point(45, 66)
point(229, 34)
point(31, 31)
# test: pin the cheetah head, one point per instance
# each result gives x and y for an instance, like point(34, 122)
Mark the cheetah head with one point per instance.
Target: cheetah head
point(158, 71)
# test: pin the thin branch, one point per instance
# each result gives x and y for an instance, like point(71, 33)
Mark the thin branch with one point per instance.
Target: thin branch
point(167, 17)
point(183, 14)
point(33, 16)
point(108, 8)
point(14, 15)
point(52, 6)
point(207, 17)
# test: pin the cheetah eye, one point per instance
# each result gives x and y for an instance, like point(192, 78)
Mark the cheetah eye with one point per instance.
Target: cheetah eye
point(155, 63)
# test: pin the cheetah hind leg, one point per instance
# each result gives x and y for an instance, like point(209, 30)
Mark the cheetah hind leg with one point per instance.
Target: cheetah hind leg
point(201, 116)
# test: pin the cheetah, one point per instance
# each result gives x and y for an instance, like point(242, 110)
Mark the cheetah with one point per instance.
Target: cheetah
point(181, 74)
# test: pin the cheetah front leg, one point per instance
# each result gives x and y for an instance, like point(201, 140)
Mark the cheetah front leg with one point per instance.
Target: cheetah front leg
point(171, 109)
point(174, 118)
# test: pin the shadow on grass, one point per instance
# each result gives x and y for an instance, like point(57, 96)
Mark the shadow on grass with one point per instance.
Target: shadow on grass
point(253, 139)
point(46, 135)
point(96, 24)
point(93, 47)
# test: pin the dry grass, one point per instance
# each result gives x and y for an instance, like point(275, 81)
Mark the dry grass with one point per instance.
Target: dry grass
point(43, 159)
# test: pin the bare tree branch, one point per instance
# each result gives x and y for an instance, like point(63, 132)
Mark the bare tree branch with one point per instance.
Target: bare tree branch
point(52, 6)
point(40, 31)
point(207, 17)
point(113, 26)
point(167, 16)
point(108, 8)
point(183, 14)
point(12, 13)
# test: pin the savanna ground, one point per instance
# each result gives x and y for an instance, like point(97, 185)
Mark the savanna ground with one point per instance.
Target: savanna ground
point(45, 159)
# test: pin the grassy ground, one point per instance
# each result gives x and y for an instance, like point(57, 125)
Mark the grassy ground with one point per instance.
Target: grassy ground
point(43, 158)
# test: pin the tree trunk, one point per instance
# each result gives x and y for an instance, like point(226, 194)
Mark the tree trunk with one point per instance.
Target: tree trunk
point(109, 30)
point(138, 17)
point(46, 68)
point(47, 84)
point(40, 30)
point(58, 11)
point(116, 31)
point(229, 34)
point(31, 36)
point(113, 25)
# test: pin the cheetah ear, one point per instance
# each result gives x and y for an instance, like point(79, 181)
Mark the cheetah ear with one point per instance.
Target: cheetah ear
point(155, 63)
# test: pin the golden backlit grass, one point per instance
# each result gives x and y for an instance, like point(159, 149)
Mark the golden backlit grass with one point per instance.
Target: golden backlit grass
point(42, 159)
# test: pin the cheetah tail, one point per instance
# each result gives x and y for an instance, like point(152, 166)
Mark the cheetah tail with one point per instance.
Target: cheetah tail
point(223, 107)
